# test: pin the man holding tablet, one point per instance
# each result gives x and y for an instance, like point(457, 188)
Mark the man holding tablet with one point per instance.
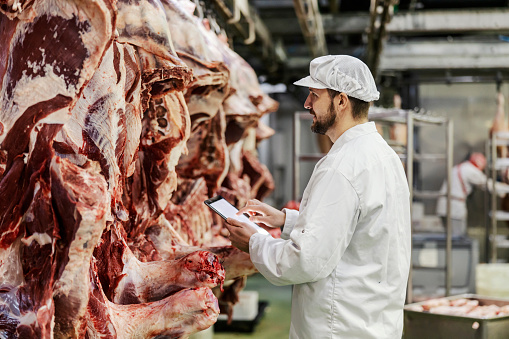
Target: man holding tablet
point(347, 252)
point(226, 210)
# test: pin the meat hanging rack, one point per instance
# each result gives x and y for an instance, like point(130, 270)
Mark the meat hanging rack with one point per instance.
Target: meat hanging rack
point(406, 151)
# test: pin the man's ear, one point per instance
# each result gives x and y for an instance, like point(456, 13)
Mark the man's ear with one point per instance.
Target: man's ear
point(342, 101)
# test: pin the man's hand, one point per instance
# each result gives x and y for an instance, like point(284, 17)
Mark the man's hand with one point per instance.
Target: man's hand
point(263, 214)
point(240, 233)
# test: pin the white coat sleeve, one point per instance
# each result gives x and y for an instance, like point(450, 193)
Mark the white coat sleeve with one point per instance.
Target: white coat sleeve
point(290, 220)
point(478, 178)
point(319, 238)
point(501, 188)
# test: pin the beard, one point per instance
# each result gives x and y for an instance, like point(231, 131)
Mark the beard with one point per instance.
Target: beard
point(321, 126)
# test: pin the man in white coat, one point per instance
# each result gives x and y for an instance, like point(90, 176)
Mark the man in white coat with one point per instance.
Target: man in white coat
point(464, 177)
point(347, 252)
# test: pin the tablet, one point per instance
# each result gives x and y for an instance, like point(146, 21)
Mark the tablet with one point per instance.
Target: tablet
point(226, 210)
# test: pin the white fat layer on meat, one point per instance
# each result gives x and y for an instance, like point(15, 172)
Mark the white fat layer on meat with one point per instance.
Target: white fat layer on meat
point(95, 11)
point(133, 120)
point(93, 207)
point(71, 135)
point(30, 318)
point(250, 140)
point(41, 238)
point(102, 126)
point(132, 274)
point(72, 140)
point(188, 5)
point(57, 117)
point(145, 16)
point(236, 156)
point(16, 6)
point(189, 38)
point(208, 105)
point(30, 90)
point(214, 45)
point(11, 272)
point(222, 143)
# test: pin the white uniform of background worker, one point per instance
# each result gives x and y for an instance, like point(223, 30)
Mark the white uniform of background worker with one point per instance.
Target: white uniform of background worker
point(348, 251)
point(464, 177)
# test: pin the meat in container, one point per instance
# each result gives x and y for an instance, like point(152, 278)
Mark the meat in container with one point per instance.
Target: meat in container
point(421, 323)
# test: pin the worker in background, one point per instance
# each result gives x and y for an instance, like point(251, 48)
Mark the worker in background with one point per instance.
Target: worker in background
point(347, 251)
point(464, 177)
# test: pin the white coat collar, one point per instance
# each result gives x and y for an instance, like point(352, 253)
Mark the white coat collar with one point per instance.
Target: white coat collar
point(352, 133)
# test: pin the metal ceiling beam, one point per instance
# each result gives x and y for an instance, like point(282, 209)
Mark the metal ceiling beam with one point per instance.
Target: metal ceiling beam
point(341, 24)
point(311, 25)
point(434, 55)
point(426, 22)
point(271, 53)
point(458, 21)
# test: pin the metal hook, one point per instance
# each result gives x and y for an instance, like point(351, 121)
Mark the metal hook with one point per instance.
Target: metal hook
point(199, 9)
point(252, 34)
point(213, 23)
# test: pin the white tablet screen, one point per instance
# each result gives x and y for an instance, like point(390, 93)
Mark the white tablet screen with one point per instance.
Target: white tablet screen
point(229, 211)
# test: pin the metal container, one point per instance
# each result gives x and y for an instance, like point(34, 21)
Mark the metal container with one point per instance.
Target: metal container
point(424, 325)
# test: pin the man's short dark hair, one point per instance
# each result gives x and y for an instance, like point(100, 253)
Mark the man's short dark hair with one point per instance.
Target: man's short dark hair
point(359, 108)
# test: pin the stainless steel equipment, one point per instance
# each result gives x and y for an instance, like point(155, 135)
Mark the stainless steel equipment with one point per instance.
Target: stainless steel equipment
point(425, 325)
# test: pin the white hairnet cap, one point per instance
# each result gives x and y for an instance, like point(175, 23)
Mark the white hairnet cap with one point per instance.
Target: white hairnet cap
point(342, 73)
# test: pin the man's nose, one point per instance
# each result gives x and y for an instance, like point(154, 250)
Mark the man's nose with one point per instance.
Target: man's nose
point(307, 103)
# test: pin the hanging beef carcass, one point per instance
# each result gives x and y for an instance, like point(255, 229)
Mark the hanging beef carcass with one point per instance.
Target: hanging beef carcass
point(39, 191)
point(162, 145)
point(247, 178)
point(88, 161)
point(55, 220)
point(210, 85)
point(208, 154)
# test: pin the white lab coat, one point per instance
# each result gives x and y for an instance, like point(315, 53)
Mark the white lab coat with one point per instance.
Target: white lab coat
point(348, 251)
point(471, 176)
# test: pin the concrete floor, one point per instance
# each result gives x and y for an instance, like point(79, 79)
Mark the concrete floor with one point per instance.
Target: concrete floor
point(275, 323)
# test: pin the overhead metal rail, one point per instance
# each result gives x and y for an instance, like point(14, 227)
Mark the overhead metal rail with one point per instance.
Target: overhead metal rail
point(445, 55)
point(246, 22)
point(484, 21)
point(310, 22)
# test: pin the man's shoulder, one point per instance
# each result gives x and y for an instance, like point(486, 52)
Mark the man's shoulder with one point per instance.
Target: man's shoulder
point(367, 149)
